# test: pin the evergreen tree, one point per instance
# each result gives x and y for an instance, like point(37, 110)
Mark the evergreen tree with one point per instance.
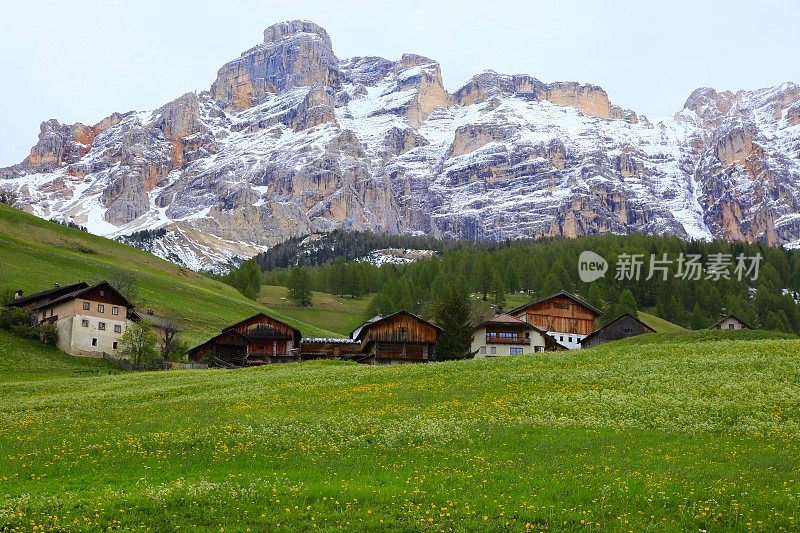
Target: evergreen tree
point(625, 304)
point(452, 312)
point(698, 320)
point(498, 290)
point(299, 288)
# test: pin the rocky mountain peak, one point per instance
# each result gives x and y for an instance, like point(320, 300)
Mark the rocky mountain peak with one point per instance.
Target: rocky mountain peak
point(290, 140)
point(294, 28)
point(294, 54)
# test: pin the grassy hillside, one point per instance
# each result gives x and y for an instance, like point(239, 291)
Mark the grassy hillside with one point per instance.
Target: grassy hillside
point(23, 360)
point(35, 253)
point(659, 432)
point(340, 315)
point(659, 324)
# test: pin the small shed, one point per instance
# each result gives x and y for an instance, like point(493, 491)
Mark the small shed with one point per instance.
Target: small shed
point(620, 328)
point(730, 322)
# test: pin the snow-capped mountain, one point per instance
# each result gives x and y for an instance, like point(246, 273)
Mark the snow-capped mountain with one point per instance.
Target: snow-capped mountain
point(290, 140)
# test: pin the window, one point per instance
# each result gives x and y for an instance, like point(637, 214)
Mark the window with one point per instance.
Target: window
point(117, 328)
point(114, 345)
point(101, 308)
point(115, 310)
point(483, 350)
point(101, 326)
point(539, 349)
point(516, 350)
point(85, 306)
point(561, 306)
point(731, 326)
point(570, 339)
point(561, 338)
point(493, 350)
point(102, 293)
point(94, 342)
point(85, 323)
point(718, 326)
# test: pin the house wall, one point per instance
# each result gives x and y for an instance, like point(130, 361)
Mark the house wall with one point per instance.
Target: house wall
point(535, 344)
point(619, 329)
point(730, 321)
point(559, 315)
point(75, 338)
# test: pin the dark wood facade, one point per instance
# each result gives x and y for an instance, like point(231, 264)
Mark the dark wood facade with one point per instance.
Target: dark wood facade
point(257, 340)
point(562, 312)
point(398, 338)
point(318, 348)
point(620, 328)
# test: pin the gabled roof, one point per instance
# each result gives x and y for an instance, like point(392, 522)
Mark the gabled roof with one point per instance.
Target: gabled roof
point(620, 317)
point(225, 332)
point(53, 293)
point(356, 333)
point(504, 319)
point(555, 295)
point(726, 317)
point(80, 292)
point(259, 315)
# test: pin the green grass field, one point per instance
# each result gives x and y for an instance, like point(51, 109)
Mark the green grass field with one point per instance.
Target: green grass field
point(680, 432)
point(659, 324)
point(340, 315)
point(35, 254)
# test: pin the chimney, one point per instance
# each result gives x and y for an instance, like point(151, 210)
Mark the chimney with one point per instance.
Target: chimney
point(56, 285)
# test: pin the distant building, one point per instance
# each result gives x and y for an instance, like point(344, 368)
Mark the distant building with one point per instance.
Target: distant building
point(90, 319)
point(730, 322)
point(564, 316)
point(620, 328)
point(401, 337)
point(507, 335)
point(257, 340)
point(329, 348)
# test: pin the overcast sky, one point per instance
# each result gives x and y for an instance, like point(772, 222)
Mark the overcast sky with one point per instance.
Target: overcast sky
point(79, 61)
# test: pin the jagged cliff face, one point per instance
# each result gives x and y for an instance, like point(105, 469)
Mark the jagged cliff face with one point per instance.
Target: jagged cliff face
point(291, 140)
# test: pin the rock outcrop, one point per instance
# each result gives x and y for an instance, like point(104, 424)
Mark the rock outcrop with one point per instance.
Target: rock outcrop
point(291, 140)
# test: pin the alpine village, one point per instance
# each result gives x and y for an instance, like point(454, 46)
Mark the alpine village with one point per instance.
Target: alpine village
point(350, 293)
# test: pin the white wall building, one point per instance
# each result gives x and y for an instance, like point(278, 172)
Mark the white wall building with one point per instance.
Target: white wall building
point(504, 335)
point(90, 321)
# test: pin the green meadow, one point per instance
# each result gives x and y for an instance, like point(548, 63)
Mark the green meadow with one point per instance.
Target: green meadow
point(677, 432)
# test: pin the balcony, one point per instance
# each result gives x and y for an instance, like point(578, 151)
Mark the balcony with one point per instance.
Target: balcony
point(494, 339)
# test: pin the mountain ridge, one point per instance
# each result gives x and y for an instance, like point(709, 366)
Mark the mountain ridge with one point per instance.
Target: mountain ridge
point(289, 140)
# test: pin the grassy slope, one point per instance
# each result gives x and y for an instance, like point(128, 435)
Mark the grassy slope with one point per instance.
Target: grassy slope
point(35, 253)
point(23, 360)
point(659, 324)
point(339, 315)
point(659, 432)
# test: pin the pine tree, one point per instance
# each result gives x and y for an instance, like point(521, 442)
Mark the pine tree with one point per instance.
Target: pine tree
point(625, 304)
point(299, 288)
point(698, 319)
point(452, 312)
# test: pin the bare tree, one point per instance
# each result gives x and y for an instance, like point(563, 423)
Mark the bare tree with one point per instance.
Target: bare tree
point(172, 345)
point(124, 283)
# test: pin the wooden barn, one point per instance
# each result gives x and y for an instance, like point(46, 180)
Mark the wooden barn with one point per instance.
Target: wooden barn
point(564, 316)
point(401, 337)
point(620, 328)
point(329, 348)
point(257, 340)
